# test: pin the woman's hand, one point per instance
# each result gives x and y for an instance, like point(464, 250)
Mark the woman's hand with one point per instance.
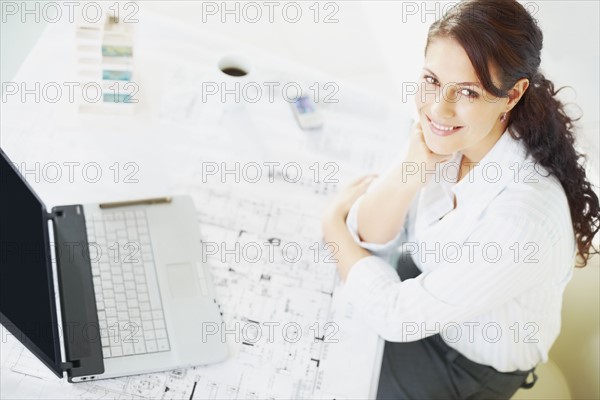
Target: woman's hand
point(341, 204)
point(345, 250)
point(420, 158)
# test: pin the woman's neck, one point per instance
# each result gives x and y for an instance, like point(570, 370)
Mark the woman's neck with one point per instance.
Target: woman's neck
point(472, 155)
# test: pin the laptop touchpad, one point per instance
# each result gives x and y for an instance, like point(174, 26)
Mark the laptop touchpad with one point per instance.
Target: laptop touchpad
point(183, 281)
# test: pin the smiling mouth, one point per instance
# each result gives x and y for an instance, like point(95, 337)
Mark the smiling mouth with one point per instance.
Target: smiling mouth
point(442, 130)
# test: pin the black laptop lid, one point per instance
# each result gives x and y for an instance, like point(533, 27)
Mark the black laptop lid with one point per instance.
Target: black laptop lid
point(27, 299)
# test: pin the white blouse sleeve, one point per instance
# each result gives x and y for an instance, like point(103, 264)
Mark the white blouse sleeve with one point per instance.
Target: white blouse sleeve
point(475, 283)
point(382, 250)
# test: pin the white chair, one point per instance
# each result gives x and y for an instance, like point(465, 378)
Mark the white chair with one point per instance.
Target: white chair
point(573, 367)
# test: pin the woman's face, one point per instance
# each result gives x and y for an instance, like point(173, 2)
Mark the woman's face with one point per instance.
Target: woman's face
point(456, 114)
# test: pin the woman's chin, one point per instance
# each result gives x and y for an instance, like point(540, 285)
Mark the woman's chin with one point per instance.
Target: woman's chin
point(439, 145)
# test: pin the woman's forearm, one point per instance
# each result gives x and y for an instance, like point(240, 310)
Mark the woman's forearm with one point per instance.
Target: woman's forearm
point(346, 252)
point(383, 210)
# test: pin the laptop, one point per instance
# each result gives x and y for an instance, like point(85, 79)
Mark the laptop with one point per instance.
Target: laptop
point(105, 290)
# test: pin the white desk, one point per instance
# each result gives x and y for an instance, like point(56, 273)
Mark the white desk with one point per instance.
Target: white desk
point(166, 147)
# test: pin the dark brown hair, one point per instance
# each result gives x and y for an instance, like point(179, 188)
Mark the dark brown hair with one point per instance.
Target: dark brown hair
point(503, 34)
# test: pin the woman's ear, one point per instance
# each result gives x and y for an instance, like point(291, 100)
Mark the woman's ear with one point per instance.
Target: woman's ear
point(515, 94)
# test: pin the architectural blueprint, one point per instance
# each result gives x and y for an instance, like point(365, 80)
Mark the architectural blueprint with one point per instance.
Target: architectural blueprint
point(290, 330)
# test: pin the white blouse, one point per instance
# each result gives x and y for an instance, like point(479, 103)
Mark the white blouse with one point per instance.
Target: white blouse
point(493, 270)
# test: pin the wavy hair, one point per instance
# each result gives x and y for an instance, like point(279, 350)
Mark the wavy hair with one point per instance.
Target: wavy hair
point(503, 34)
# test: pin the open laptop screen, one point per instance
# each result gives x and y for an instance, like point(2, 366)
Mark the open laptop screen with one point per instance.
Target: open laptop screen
point(27, 302)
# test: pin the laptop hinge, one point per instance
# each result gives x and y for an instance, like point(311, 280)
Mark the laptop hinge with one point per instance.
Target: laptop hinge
point(81, 329)
point(66, 366)
point(50, 216)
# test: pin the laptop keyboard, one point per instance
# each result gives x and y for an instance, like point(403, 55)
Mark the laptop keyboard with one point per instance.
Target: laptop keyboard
point(130, 309)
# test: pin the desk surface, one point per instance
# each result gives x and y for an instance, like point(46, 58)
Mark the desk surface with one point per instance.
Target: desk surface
point(165, 147)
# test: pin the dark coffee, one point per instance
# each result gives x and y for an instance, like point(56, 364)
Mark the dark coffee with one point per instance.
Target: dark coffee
point(233, 71)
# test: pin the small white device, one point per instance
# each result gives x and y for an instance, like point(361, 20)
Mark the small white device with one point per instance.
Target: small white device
point(306, 113)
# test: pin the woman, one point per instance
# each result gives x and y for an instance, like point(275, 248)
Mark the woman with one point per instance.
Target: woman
point(491, 206)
